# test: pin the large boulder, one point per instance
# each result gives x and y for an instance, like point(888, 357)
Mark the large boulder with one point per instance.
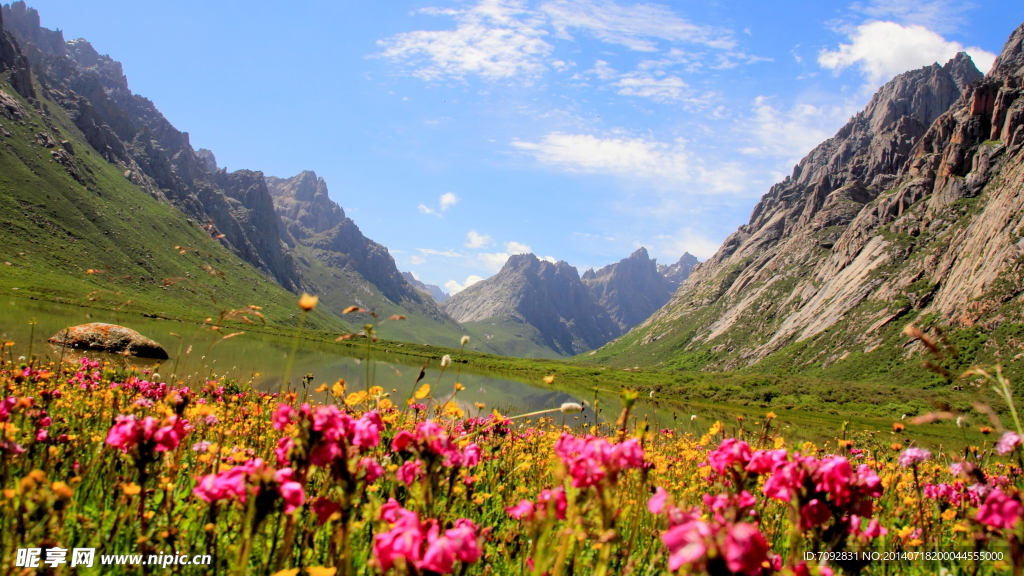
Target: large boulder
point(109, 338)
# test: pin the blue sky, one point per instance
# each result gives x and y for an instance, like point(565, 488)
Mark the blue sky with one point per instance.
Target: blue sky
point(457, 133)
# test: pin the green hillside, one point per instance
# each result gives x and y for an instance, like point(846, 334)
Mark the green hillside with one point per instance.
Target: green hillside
point(75, 230)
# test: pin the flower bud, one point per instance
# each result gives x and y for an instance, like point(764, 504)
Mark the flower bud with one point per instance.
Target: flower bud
point(445, 361)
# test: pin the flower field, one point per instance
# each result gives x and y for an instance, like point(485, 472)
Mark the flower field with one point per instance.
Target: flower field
point(117, 460)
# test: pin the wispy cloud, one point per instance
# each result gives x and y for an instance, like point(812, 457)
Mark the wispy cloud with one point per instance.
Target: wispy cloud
point(791, 134)
point(882, 50)
point(454, 287)
point(517, 248)
point(668, 163)
point(663, 89)
point(416, 260)
point(446, 253)
point(493, 261)
point(638, 26)
point(939, 15)
point(504, 39)
point(475, 240)
point(494, 40)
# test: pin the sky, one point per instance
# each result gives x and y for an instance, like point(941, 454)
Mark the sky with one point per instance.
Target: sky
point(457, 133)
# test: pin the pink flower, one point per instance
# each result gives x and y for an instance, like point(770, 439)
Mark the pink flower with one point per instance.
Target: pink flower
point(554, 499)
point(284, 446)
point(408, 472)
point(458, 543)
point(522, 510)
point(745, 549)
point(228, 484)
point(324, 509)
point(402, 441)
point(874, 529)
point(293, 495)
point(1008, 443)
point(404, 540)
point(765, 461)
point(627, 454)
point(124, 433)
point(999, 510)
point(814, 513)
point(282, 416)
point(169, 437)
point(656, 503)
point(389, 511)
point(687, 543)
point(471, 455)
point(372, 468)
point(6, 407)
point(913, 456)
point(731, 452)
point(367, 430)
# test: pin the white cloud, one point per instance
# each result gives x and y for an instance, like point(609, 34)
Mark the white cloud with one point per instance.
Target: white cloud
point(447, 253)
point(495, 40)
point(550, 259)
point(602, 70)
point(454, 287)
point(493, 261)
point(414, 260)
point(517, 248)
point(670, 163)
point(475, 240)
point(672, 246)
point(448, 199)
point(790, 135)
point(939, 15)
point(884, 49)
point(664, 89)
point(637, 26)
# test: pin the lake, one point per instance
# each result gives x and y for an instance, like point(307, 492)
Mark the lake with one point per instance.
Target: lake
point(198, 353)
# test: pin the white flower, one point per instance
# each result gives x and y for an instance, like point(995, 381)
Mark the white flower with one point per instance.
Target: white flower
point(445, 361)
point(465, 340)
point(571, 408)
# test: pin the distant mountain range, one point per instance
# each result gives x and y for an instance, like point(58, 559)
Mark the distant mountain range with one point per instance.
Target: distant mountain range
point(558, 311)
point(285, 229)
point(912, 212)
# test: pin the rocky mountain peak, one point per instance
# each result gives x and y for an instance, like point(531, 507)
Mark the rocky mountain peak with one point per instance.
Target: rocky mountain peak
point(677, 273)
point(630, 290)
point(304, 204)
point(549, 296)
point(1009, 66)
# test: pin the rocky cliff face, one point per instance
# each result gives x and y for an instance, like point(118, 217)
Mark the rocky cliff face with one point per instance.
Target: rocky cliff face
point(341, 264)
point(129, 131)
point(550, 297)
point(439, 296)
point(912, 211)
point(630, 290)
point(677, 273)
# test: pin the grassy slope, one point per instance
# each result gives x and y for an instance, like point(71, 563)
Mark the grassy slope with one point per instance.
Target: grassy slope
point(503, 335)
point(54, 229)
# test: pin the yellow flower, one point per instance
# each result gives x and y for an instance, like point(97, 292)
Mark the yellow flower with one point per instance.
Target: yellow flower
point(376, 391)
point(320, 571)
point(338, 389)
point(384, 404)
point(131, 489)
point(62, 490)
point(549, 379)
point(307, 302)
point(949, 514)
point(459, 386)
point(422, 392)
point(779, 442)
point(288, 572)
point(321, 388)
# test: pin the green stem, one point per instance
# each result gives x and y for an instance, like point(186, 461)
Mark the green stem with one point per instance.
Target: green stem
point(291, 357)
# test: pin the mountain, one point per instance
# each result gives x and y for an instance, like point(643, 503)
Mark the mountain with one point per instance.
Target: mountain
point(630, 290)
point(677, 273)
point(345, 267)
point(434, 290)
point(75, 228)
point(298, 238)
point(913, 212)
point(534, 300)
point(128, 131)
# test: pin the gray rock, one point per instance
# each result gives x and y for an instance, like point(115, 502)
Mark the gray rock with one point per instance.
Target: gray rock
point(109, 338)
point(630, 290)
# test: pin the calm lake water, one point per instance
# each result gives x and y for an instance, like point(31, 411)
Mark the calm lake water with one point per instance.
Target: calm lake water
point(197, 354)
